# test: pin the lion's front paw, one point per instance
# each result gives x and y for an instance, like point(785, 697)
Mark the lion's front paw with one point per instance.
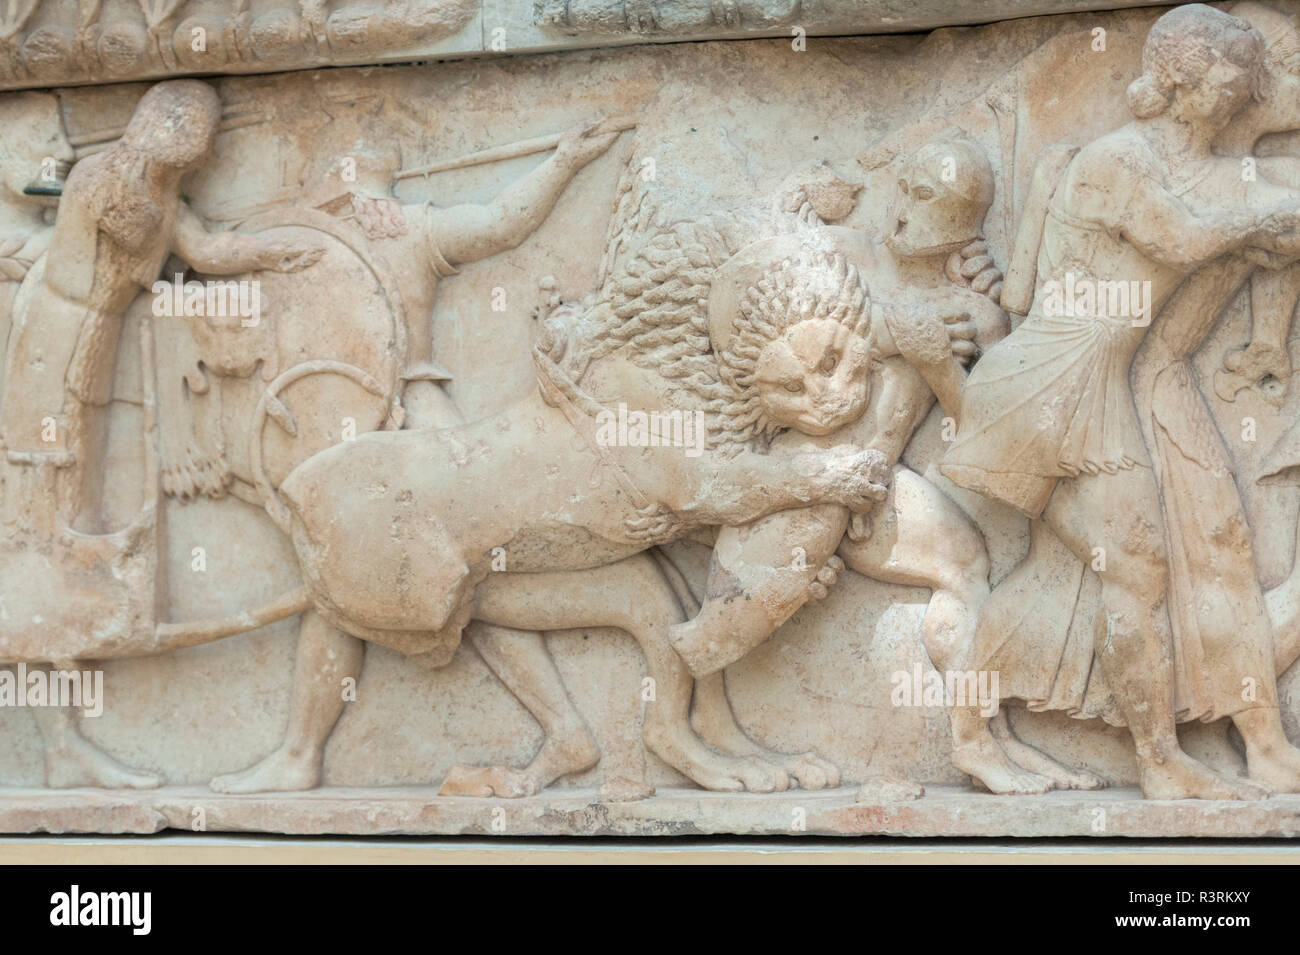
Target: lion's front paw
point(654, 524)
point(1256, 364)
point(854, 477)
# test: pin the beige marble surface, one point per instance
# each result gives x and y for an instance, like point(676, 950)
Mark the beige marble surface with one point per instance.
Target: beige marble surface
point(618, 144)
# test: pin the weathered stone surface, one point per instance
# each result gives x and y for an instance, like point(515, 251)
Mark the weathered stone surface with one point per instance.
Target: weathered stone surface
point(67, 42)
point(945, 811)
point(60, 42)
point(681, 438)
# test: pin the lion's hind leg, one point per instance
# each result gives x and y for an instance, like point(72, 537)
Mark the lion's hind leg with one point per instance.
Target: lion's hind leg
point(715, 721)
point(634, 596)
point(520, 660)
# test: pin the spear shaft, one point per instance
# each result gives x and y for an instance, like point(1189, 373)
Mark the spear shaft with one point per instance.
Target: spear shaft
point(525, 147)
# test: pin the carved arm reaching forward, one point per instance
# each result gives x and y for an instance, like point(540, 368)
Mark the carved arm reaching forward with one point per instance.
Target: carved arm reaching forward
point(229, 253)
point(469, 232)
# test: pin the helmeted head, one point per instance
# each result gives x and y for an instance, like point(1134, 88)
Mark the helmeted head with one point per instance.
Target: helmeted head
point(944, 190)
point(1205, 63)
point(365, 152)
point(175, 123)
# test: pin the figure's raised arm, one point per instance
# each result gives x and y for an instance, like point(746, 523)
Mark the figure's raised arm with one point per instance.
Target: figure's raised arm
point(469, 232)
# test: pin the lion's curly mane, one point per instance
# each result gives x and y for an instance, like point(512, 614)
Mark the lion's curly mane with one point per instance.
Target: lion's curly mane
point(651, 307)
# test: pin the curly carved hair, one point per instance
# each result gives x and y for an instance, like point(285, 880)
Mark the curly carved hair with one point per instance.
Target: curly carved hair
point(652, 310)
point(815, 286)
point(1181, 47)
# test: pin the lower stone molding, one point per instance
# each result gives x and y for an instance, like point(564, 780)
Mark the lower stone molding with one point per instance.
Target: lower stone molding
point(942, 812)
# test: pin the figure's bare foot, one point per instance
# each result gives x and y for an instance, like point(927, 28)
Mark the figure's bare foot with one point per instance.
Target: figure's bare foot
point(986, 763)
point(77, 763)
point(1275, 766)
point(1181, 777)
point(1036, 761)
point(560, 755)
point(687, 753)
point(282, 771)
point(1270, 757)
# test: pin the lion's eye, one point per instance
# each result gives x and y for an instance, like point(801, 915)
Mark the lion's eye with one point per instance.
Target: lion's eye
point(924, 193)
point(794, 387)
point(829, 362)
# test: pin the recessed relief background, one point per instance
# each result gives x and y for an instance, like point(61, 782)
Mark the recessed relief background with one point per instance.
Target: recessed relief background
point(655, 437)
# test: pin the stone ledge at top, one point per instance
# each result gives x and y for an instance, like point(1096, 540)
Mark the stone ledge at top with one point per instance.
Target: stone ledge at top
point(45, 43)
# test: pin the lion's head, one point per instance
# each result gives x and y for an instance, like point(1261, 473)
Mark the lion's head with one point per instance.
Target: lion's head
point(766, 322)
point(798, 356)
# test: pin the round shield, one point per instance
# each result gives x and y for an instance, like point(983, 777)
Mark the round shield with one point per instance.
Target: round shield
point(310, 358)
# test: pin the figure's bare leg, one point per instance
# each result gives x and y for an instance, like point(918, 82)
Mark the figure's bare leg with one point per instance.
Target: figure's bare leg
point(979, 754)
point(72, 761)
point(1270, 757)
point(713, 719)
point(920, 538)
point(1120, 513)
point(326, 658)
point(758, 559)
point(633, 596)
point(521, 661)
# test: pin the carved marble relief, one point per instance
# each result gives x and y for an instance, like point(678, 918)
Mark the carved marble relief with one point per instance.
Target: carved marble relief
point(62, 42)
point(557, 439)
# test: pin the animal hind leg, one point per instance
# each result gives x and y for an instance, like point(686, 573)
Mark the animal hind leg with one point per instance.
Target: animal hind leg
point(757, 561)
point(713, 718)
point(520, 660)
point(634, 596)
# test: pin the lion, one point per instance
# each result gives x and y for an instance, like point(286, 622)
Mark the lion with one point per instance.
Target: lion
point(530, 520)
